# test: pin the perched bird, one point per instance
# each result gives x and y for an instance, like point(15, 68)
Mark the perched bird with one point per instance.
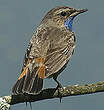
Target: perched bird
point(49, 50)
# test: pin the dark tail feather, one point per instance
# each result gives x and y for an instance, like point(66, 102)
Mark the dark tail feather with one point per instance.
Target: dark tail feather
point(37, 85)
point(38, 81)
point(17, 88)
point(30, 83)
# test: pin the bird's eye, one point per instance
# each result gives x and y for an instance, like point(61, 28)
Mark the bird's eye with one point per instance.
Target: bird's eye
point(63, 13)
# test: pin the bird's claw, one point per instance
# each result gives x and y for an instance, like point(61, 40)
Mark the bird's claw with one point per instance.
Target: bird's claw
point(59, 87)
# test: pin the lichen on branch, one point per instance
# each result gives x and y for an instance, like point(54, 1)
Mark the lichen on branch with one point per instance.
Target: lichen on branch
point(70, 90)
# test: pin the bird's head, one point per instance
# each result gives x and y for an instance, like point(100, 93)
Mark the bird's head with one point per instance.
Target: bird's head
point(62, 16)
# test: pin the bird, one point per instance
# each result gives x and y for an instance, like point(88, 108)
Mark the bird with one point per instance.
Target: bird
point(49, 50)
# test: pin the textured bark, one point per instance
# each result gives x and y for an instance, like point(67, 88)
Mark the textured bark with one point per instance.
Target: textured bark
point(53, 93)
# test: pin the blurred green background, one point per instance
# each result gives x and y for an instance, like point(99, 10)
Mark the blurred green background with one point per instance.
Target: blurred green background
point(20, 18)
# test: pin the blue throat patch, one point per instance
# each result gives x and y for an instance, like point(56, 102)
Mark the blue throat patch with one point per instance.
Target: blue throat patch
point(68, 23)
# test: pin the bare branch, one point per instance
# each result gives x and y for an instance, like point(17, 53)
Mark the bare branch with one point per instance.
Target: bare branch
point(53, 93)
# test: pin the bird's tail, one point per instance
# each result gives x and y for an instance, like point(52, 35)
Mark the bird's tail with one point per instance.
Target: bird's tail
point(30, 82)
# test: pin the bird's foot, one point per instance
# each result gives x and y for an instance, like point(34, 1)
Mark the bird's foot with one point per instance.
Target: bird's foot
point(59, 87)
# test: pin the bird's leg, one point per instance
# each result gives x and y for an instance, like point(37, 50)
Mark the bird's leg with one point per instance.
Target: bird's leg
point(59, 84)
point(58, 87)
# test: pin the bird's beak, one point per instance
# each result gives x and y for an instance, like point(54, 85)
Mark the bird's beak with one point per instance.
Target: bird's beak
point(77, 12)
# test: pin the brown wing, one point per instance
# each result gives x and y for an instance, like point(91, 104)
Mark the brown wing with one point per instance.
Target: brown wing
point(33, 71)
point(26, 56)
point(60, 51)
